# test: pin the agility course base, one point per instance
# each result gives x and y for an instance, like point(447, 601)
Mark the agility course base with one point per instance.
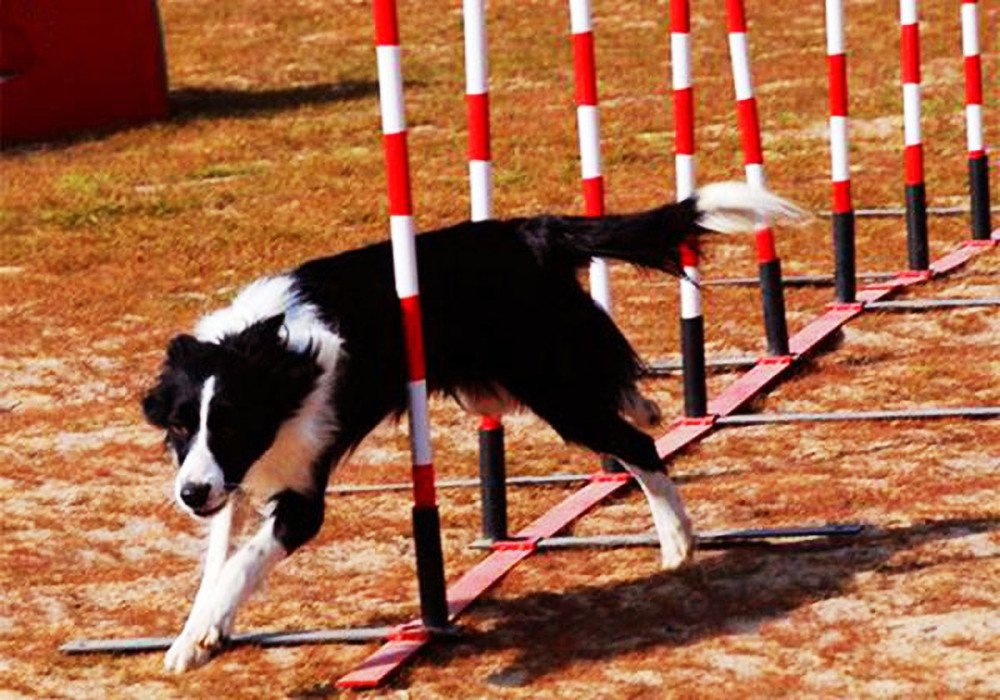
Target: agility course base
point(769, 370)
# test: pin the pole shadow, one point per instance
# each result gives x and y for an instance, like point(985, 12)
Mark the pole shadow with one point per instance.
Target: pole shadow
point(734, 592)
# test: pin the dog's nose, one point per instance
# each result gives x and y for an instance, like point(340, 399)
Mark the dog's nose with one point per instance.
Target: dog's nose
point(195, 495)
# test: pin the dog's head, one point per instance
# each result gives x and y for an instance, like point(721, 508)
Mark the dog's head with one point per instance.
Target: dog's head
point(222, 404)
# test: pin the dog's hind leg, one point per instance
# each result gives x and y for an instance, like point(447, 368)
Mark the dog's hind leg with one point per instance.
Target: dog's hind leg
point(295, 519)
point(607, 433)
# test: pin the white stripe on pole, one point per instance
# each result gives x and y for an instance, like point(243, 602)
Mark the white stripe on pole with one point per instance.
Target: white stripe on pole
point(390, 89)
point(755, 175)
point(600, 284)
point(579, 16)
point(685, 175)
point(740, 59)
point(589, 130)
point(834, 27)
point(970, 29)
point(481, 189)
point(839, 163)
point(680, 61)
point(404, 255)
point(907, 11)
point(911, 113)
point(420, 441)
point(691, 293)
point(476, 55)
point(974, 127)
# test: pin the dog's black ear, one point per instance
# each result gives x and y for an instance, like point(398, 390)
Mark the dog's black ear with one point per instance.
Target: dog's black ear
point(182, 348)
point(157, 404)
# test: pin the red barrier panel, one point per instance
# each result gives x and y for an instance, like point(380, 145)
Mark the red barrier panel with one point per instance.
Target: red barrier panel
point(72, 65)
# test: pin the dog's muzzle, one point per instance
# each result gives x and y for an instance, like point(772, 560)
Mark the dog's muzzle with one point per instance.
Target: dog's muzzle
point(199, 499)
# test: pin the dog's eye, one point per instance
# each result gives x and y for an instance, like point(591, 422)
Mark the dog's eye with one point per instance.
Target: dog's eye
point(178, 431)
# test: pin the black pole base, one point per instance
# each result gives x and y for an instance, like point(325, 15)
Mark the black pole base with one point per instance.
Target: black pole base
point(430, 567)
point(773, 298)
point(693, 362)
point(979, 191)
point(493, 482)
point(916, 227)
point(844, 275)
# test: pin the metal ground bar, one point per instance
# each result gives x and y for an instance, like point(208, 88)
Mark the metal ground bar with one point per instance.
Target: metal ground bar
point(140, 645)
point(839, 416)
point(929, 304)
point(708, 540)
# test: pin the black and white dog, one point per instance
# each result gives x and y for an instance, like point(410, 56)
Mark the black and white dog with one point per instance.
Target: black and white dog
point(272, 392)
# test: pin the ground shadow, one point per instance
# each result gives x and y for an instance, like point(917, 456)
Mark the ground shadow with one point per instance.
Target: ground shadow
point(194, 103)
point(191, 103)
point(732, 592)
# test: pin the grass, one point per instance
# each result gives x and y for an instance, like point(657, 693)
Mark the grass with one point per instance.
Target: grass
point(110, 243)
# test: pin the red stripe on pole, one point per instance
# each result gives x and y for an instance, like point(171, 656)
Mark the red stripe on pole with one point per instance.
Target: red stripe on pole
point(478, 111)
point(490, 423)
point(593, 196)
point(746, 113)
point(976, 155)
point(765, 246)
point(736, 20)
point(837, 70)
point(913, 163)
point(973, 80)
point(684, 121)
point(680, 17)
point(397, 174)
point(689, 253)
point(842, 197)
point(423, 486)
point(413, 337)
point(386, 25)
point(584, 68)
point(910, 50)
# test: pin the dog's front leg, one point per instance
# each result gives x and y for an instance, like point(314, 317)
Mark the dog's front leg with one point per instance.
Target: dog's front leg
point(294, 520)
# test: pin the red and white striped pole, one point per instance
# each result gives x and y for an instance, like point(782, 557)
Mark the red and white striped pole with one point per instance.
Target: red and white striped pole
point(692, 321)
point(588, 129)
point(840, 164)
point(913, 154)
point(979, 167)
point(492, 465)
point(477, 102)
point(769, 266)
point(426, 522)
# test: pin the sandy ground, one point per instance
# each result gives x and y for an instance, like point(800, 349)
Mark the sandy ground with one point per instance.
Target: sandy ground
point(110, 244)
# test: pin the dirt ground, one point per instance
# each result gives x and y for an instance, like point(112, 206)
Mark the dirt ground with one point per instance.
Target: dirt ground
point(111, 243)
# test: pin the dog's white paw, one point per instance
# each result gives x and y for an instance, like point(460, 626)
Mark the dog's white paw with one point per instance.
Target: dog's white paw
point(677, 548)
point(193, 648)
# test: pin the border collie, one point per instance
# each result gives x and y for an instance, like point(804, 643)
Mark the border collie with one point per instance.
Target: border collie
point(271, 393)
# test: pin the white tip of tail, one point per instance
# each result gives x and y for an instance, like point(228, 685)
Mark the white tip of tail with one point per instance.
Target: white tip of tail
point(728, 207)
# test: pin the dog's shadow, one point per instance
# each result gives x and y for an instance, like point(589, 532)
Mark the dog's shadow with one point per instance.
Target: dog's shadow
point(728, 593)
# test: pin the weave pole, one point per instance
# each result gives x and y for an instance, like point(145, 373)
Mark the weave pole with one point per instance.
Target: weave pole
point(979, 167)
point(492, 466)
point(588, 126)
point(769, 266)
point(913, 154)
point(692, 321)
point(426, 522)
point(589, 133)
point(842, 219)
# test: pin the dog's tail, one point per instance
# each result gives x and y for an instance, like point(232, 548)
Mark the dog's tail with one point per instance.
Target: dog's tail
point(653, 238)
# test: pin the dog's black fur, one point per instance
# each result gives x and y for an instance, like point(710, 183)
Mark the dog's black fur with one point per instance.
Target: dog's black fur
point(280, 387)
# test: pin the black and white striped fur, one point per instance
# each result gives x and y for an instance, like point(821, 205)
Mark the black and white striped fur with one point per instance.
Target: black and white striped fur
point(270, 393)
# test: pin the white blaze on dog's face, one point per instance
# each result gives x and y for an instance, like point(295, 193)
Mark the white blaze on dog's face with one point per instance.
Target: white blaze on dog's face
point(200, 485)
point(235, 406)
